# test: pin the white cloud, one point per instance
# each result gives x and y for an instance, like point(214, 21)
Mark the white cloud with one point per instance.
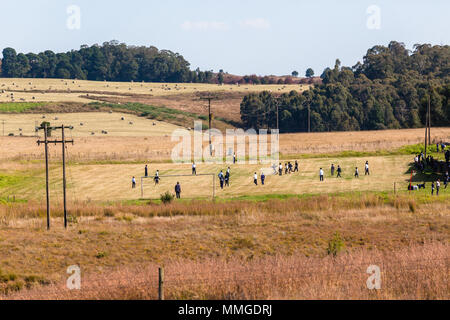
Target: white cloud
point(258, 23)
point(204, 25)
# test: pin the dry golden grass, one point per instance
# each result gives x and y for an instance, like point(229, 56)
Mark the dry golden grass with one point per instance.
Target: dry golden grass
point(58, 90)
point(238, 251)
point(412, 273)
point(155, 147)
point(92, 122)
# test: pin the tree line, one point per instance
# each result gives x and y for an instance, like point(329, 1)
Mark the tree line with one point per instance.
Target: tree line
point(388, 90)
point(112, 61)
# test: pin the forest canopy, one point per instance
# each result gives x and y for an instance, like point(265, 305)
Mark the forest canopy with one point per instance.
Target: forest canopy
point(112, 61)
point(388, 90)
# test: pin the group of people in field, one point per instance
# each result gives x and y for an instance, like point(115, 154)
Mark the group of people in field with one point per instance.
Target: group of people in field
point(338, 171)
point(421, 163)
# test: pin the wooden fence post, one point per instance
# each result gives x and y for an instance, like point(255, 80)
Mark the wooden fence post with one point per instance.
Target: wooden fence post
point(161, 284)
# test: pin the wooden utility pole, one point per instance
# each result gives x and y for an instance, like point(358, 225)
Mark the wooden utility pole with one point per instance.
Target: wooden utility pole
point(309, 117)
point(209, 98)
point(63, 141)
point(161, 284)
point(429, 117)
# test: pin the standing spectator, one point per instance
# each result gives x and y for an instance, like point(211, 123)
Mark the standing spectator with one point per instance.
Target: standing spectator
point(332, 169)
point(255, 179)
point(366, 171)
point(296, 166)
point(156, 177)
point(321, 174)
point(339, 171)
point(133, 183)
point(146, 171)
point(221, 179)
point(234, 158)
point(227, 178)
point(438, 185)
point(263, 178)
point(356, 172)
point(194, 168)
point(178, 190)
point(432, 188)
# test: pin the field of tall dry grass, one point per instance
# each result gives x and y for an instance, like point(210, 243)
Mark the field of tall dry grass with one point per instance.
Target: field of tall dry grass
point(300, 248)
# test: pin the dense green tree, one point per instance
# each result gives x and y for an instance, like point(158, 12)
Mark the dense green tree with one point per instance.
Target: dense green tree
point(309, 73)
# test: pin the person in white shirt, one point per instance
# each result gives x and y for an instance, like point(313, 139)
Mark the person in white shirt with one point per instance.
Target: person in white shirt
point(367, 169)
point(280, 169)
point(133, 182)
point(438, 185)
point(157, 177)
point(255, 179)
point(321, 174)
point(194, 169)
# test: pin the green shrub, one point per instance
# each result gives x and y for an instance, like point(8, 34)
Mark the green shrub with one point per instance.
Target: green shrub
point(167, 197)
point(335, 245)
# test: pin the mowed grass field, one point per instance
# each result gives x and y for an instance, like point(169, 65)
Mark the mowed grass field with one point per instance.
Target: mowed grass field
point(57, 90)
point(112, 182)
point(86, 124)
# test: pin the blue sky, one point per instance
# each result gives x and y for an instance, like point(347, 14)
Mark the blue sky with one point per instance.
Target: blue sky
point(239, 36)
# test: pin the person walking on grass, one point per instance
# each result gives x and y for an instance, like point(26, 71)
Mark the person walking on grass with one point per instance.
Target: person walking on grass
point(178, 190)
point(255, 179)
point(438, 186)
point(133, 183)
point(280, 169)
point(234, 158)
point(296, 166)
point(194, 169)
point(339, 171)
point(321, 174)
point(332, 169)
point(366, 169)
point(146, 171)
point(263, 178)
point(227, 178)
point(356, 172)
point(221, 179)
point(156, 177)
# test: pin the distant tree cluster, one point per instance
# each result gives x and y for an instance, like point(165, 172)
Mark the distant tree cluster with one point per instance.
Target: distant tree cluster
point(388, 90)
point(112, 61)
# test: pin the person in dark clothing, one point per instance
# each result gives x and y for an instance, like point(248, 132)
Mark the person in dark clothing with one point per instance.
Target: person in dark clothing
point(432, 188)
point(146, 171)
point(339, 171)
point(227, 178)
point(178, 190)
point(221, 179)
point(263, 178)
point(356, 172)
point(291, 169)
point(234, 158)
point(447, 156)
point(332, 169)
point(286, 170)
point(296, 166)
